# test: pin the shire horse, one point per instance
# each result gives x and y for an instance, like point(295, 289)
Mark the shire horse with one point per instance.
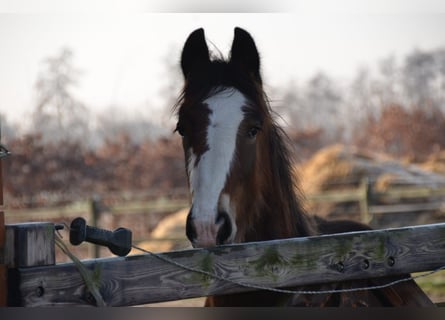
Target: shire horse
point(238, 164)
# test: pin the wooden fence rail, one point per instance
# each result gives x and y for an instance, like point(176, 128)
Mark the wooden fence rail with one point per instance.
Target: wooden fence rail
point(146, 278)
point(370, 200)
point(84, 208)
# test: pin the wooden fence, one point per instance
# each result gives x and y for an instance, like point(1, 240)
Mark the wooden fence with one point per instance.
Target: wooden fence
point(369, 200)
point(35, 280)
point(369, 206)
point(3, 271)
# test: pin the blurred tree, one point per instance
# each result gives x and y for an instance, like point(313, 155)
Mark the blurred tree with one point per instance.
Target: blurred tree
point(171, 88)
point(359, 102)
point(368, 95)
point(291, 107)
point(324, 99)
point(439, 83)
point(424, 79)
point(388, 87)
point(399, 132)
point(403, 106)
point(7, 131)
point(58, 115)
point(419, 72)
point(112, 123)
point(313, 112)
point(317, 104)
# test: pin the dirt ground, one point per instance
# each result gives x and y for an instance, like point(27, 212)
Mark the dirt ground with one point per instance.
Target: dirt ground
point(195, 302)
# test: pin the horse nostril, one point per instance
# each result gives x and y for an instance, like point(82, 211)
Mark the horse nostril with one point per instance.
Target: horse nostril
point(225, 229)
point(203, 233)
point(190, 229)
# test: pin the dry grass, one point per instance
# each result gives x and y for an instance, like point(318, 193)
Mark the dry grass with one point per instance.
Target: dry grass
point(326, 166)
point(434, 286)
point(435, 162)
point(170, 227)
point(384, 181)
point(194, 302)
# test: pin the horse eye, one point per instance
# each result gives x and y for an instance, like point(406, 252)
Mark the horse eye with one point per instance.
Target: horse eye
point(179, 129)
point(253, 132)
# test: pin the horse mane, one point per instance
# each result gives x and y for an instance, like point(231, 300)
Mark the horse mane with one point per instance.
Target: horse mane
point(287, 195)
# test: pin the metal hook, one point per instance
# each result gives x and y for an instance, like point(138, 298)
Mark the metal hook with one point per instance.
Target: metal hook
point(4, 152)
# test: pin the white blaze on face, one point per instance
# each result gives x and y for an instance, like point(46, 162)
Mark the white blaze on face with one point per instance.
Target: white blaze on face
point(209, 175)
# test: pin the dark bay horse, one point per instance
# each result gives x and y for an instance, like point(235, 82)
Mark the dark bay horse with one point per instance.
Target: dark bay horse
point(238, 164)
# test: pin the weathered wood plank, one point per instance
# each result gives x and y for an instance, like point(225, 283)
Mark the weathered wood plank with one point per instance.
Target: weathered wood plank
point(336, 196)
point(3, 269)
point(394, 193)
point(29, 244)
point(405, 208)
point(292, 262)
point(83, 208)
point(411, 192)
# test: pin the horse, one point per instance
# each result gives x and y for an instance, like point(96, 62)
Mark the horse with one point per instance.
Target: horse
point(238, 164)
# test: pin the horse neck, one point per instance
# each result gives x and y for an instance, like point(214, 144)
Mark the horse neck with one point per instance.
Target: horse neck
point(272, 210)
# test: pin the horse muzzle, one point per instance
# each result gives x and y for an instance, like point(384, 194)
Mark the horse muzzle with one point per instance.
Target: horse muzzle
point(205, 232)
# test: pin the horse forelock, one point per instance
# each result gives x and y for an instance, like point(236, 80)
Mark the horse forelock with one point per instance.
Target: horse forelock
point(215, 77)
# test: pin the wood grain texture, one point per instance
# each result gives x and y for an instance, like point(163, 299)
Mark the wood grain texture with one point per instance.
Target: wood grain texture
point(1, 181)
point(3, 269)
point(144, 279)
point(29, 244)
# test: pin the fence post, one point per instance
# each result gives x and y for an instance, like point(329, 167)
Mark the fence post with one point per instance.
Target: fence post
point(95, 213)
point(27, 245)
point(3, 270)
point(364, 200)
point(30, 244)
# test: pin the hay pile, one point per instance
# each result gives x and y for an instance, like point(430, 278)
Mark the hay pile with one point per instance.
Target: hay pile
point(338, 167)
point(171, 228)
point(435, 162)
point(330, 168)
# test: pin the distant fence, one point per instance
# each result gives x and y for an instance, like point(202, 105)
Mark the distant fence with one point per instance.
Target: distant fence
point(369, 204)
point(121, 206)
point(370, 200)
point(86, 208)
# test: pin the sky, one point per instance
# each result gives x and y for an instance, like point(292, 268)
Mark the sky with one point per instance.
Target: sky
point(121, 51)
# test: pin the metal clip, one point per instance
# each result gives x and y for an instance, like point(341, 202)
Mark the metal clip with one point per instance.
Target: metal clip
point(4, 152)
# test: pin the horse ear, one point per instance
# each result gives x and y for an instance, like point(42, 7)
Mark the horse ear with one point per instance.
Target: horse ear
point(195, 53)
point(244, 53)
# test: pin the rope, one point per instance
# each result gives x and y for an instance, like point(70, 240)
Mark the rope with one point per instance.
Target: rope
point(259, 287)
point(89, 277)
